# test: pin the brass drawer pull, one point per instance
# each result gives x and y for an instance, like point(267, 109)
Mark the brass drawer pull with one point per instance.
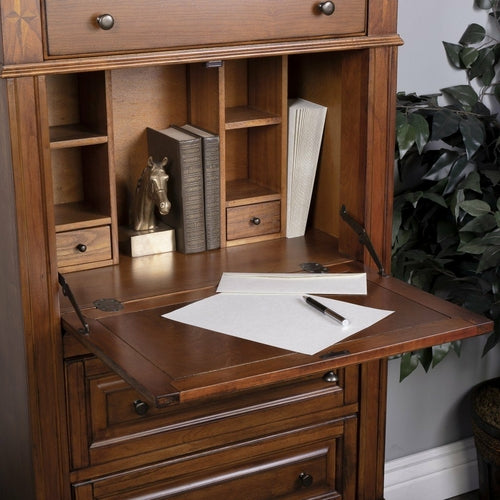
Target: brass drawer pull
point(105, 21)
point(326, 8)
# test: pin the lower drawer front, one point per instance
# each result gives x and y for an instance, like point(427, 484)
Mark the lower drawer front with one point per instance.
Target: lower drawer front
point(111, 427)
point(83, 246)
point(299, 465)
point(253, 220)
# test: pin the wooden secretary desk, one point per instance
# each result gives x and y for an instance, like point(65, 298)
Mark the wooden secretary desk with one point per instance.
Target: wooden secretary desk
point(139, 407)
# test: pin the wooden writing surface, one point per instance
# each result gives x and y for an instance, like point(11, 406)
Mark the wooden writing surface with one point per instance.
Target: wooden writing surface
point(170, 362)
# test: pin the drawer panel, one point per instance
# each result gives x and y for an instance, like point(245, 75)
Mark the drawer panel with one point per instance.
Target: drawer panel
point(72, 26)
point(241, 221)
point(302, 464)
point(119, 426)
point(96, 247)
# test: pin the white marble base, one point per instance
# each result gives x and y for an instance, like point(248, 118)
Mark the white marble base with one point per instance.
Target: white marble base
point(140, 243)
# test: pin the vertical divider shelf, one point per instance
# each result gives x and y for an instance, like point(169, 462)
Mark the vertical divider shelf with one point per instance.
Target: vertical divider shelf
point(255, 149)
point(80, 129)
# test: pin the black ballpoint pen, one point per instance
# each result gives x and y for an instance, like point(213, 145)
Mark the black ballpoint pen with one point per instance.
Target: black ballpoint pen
point(325, 310)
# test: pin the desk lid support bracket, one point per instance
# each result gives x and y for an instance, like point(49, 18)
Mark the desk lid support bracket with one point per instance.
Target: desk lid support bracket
point(68, 293)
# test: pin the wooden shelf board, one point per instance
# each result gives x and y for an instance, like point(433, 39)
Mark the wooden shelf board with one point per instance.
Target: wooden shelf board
point(69, 136)
point(246, 191)
point(245, 116)
point(71, 216)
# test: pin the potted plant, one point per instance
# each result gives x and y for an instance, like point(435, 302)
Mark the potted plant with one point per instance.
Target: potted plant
point(446, 227)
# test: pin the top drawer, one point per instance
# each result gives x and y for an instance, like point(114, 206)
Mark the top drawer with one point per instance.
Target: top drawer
point(72, 26)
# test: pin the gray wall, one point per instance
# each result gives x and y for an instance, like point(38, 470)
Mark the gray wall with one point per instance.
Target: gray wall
point(430, 409)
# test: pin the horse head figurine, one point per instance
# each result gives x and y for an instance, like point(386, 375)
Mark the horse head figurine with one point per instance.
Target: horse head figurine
point(151, 192)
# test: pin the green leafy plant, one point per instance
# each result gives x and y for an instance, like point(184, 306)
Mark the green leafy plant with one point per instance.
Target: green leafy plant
point(446, 228)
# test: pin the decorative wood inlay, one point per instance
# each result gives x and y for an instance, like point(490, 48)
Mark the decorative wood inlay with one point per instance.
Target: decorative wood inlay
point(22, 32)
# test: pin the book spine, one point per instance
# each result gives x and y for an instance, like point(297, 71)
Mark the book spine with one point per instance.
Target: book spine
point(193, 210)
point(211, 167)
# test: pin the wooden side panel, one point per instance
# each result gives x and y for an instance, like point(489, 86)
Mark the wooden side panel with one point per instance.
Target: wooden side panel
point(382, 16)
point(15, 437)
point(380, 152)
point(38, 284)
point(21, 31)
point(372, 430)
point(369, 98)
point(354, 145)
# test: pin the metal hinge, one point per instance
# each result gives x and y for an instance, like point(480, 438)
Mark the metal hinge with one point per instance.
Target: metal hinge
point(68, 293)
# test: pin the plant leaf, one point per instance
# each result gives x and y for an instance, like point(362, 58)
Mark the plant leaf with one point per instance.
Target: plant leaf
point(469, 55)
point(490, 258)
point(460, 170)
point(453, 53)
point(436, 198)
point(464, 94)
point(421, 130)
point(425, 357)
point(442, 166)
point(408, 364)
point(473, 134)
point(405, 134)
point(483, 66)
point(481, 224)
point(492, 238)
point(444, 124)
point(472, 182)
point(483, 4)
point(473, 34)
point(457, 198)
point(475, 207)
point(439, 352)
point(475, 247)
point(493, 339)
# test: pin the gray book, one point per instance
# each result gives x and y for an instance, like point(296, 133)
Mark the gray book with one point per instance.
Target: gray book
point(211, 179)
point(184, 187)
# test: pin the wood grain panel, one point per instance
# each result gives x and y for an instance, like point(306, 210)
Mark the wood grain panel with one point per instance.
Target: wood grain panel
point(21, 32)
point(39, 288)
point(134, 28)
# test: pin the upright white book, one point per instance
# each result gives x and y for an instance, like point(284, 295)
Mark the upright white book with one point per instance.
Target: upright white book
point(306, 122)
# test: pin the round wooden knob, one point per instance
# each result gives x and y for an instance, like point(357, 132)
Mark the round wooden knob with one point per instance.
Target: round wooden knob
point(305, 479)
point(327, 8)
point(105, 21)
point(255, 220)
point(81, 247)
point(140, 407)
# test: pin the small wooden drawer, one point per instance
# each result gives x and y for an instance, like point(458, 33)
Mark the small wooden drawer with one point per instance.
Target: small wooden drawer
point(306, 463)
point(73, 27)
point(253, 220)
point(83, 246)
point(110, 422)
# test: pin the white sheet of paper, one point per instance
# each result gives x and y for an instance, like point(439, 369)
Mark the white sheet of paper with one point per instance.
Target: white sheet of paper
point(335, 283)
point(284, 321)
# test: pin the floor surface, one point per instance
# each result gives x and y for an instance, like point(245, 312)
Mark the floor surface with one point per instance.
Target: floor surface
point(473, 495)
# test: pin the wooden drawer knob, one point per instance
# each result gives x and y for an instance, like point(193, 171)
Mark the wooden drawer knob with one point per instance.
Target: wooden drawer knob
point(327, 8)
point(105, 21)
